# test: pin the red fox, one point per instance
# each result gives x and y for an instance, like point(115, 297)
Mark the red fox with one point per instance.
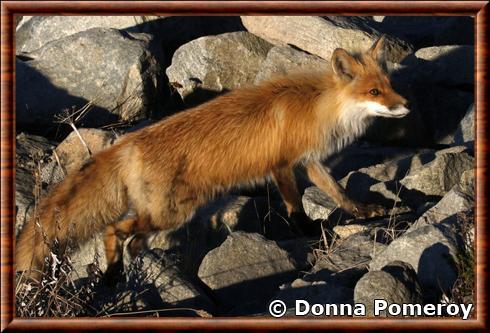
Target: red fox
point(166, 170)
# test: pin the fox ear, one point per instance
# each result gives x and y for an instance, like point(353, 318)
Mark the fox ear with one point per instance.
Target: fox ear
point(376, 49)
point(343, 64)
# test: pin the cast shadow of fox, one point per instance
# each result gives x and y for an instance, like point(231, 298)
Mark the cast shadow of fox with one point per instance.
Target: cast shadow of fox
point(437, 107)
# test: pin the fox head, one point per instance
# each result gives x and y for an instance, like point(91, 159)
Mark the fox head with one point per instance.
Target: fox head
point(365, 86)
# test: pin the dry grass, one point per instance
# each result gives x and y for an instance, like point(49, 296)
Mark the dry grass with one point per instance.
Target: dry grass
point(56, 294)
point(463, 290)
point(328, 242)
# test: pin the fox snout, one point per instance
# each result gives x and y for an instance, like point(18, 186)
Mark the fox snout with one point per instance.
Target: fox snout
point(397, 111)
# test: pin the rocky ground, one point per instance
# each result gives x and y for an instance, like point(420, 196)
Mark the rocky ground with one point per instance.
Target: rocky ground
point(82, 82)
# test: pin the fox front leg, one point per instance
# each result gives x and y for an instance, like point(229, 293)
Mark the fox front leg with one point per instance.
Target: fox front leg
point(321, 178)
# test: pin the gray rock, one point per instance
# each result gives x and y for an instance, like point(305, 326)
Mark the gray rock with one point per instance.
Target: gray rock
point(396, 283)
point(32, 156)
point(355, 251)
point(74, 152)
point(24, 197)
point(321, 35)
point(465, 132)
point(410, 181)
point(155, 284)
point(432, 251)
point(381, 230)
point(379, 172)
point(87, 256)
point(460, 198)
point(173, 287)
point(380, 183)
point(115, 71)
point(32, 34)
point(317, 204)
point(51, 173)
point(234, 213)
point(282, 60)
point(440, 175)
point(213, 64)
point(37, 31)
point(246, 266)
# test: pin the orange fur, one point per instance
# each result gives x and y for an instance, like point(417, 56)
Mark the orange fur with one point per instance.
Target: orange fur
point(169, 169)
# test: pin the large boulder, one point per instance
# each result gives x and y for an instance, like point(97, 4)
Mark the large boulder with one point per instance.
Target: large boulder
point(411, 181)
point(116, 72)
point(283, 60)
point(440, 175)
point(33, 32)
point(210, 65)
point(322, 35)
point(36, 31)
point(396, 283)
point(432, 251)
point(246, 267)
point(379, 183)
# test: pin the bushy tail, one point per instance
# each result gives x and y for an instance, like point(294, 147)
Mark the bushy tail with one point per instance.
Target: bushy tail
point(81, 205)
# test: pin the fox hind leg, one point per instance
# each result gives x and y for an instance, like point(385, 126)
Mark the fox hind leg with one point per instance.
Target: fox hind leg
point(115, 234)
point(286, 183)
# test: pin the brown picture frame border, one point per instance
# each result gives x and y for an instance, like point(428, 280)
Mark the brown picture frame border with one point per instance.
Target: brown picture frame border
point(478, 9)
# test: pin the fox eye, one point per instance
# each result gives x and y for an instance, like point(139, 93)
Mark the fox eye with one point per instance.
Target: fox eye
point(374, 92)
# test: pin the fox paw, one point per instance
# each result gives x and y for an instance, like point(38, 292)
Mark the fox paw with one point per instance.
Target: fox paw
point(370, 210)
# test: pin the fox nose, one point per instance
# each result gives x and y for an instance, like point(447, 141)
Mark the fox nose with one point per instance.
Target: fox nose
point(398, 106)
point(404, 102)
